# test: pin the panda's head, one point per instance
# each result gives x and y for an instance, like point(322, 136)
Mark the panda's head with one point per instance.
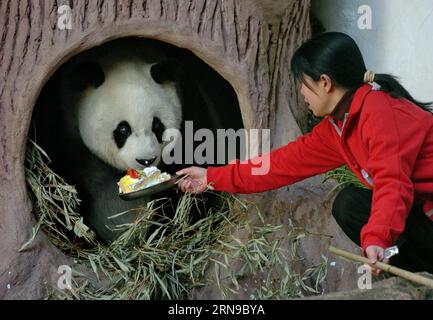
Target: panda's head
point(124, 108)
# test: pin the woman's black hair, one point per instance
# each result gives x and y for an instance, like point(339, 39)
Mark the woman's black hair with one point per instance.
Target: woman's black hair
point(337, 55)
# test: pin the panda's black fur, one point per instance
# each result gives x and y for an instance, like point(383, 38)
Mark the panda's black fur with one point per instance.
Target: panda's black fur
point(94, 178)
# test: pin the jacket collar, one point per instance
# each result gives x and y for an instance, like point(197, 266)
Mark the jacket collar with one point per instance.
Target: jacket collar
point(351, 102)
point(343, 105)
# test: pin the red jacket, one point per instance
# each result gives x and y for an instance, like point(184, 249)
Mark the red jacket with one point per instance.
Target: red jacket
point(386, 142)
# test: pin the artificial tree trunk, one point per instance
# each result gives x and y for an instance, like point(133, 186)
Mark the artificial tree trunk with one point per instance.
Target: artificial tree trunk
point(248, 42)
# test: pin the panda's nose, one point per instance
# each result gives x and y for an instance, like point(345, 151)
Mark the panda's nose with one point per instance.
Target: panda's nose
point(146, 162)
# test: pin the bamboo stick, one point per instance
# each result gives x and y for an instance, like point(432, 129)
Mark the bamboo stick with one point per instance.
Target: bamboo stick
point(385, 267)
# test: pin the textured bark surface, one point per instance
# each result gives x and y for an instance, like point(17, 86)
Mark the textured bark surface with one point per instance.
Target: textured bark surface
point(248, 42)
point(287, 108)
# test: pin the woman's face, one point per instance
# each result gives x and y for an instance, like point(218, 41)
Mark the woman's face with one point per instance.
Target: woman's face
point(316, 95)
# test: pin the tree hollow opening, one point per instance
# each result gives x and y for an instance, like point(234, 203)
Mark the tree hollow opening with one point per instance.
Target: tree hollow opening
point(105, 110)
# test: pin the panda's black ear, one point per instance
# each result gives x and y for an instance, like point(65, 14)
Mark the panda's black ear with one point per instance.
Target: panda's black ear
point(86, 74)
point(166, 71)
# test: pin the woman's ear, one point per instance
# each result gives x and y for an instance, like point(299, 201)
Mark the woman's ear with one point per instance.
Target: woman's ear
point(326, 83)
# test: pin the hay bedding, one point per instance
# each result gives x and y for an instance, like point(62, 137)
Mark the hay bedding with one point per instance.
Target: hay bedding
point(167, 258)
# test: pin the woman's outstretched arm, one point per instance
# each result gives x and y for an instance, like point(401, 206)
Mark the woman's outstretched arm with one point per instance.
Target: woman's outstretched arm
point(311, 154)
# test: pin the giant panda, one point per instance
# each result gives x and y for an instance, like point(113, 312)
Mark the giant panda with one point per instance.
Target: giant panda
point(111, 108)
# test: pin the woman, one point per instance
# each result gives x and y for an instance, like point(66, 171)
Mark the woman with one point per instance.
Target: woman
point(372, 125)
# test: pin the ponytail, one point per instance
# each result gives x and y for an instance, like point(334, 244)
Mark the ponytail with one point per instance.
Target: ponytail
point(392, 86)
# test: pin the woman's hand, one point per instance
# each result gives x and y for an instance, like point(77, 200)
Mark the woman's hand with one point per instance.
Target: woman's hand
point(196, 181)
point(375, 253)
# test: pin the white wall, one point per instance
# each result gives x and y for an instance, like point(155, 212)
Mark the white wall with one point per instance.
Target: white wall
point(400, 41)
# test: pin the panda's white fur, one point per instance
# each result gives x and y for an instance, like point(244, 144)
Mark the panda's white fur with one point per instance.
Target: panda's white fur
point(128, 94)
point(89, 116)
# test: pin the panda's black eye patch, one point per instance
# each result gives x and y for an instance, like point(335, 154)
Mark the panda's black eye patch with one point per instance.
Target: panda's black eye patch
point(158, 128)
point(121, 134)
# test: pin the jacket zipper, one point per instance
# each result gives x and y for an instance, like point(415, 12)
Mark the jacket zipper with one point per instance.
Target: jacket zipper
point(340, 132)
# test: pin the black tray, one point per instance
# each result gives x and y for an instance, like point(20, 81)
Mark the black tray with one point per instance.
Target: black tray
point(165, 185)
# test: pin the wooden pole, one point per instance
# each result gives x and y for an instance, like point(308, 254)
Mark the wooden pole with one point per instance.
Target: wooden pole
point(385, 267)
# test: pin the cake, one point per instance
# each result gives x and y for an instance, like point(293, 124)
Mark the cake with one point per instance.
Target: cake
point(135, 180)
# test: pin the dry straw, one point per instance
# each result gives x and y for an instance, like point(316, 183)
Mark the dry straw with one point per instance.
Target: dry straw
point(161, 257)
